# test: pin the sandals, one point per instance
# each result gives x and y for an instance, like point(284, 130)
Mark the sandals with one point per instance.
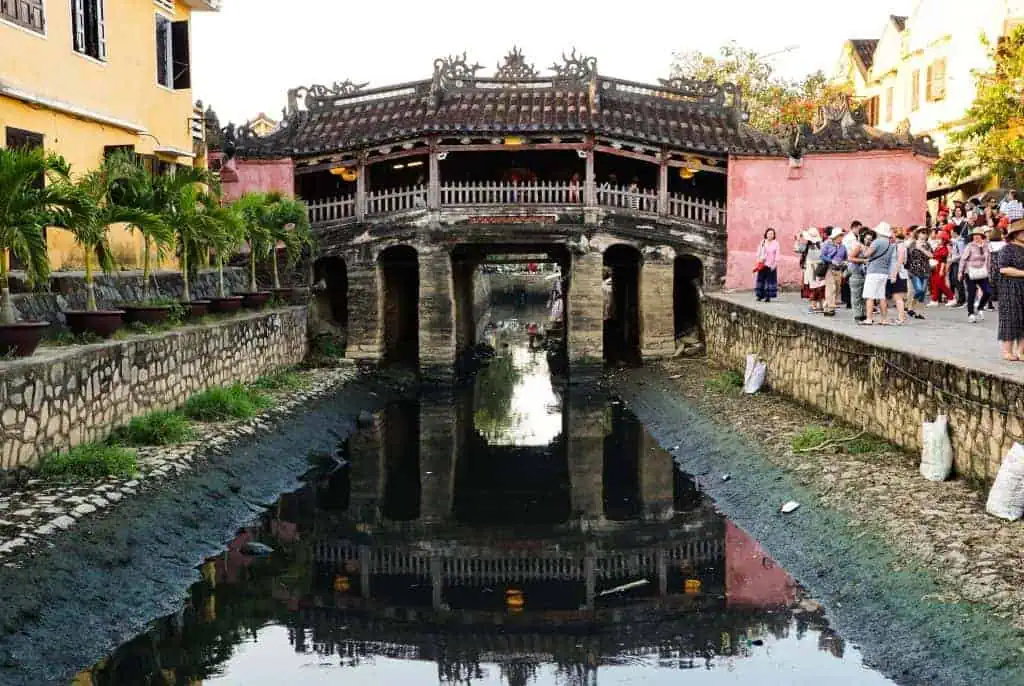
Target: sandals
point(1012, 358)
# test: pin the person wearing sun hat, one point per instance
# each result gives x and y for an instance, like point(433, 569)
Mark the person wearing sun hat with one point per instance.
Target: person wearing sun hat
point(809, 247)
point(975, 266)
point(1011, 293)
point(879, 256)
point(833, 254)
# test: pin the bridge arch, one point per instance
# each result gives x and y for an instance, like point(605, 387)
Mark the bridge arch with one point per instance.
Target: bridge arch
point(687, 282)
point(399, 296)
point(331, 273)
point(621, 284)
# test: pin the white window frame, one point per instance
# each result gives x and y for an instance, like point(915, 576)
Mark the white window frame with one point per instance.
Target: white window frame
point(78, 43)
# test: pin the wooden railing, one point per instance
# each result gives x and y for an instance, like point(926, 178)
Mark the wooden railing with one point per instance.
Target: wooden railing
point(485, 194)
point(396, 200)
point(696, 210)
point(494, 193)
point(332, 209)
point(623, 198)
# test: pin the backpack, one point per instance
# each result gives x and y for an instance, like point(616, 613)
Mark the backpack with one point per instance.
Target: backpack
point(917, 263)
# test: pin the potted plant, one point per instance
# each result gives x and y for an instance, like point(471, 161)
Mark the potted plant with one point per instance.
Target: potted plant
point(253, 208)
point(288, 222)
point(89, 224)
point(26, 208)
point(225, 240)
point(185, 212)
point(138, 188)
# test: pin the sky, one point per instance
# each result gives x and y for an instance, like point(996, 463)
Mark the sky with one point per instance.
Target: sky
point(250, 53)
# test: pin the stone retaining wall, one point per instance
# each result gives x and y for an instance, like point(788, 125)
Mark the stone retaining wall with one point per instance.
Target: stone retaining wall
point(889, 393)
point(65, 396)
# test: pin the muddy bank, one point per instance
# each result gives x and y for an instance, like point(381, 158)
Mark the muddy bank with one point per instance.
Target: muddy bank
point(877, 598)
point(102, 582)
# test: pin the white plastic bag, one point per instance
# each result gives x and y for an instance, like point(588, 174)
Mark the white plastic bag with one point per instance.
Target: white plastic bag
point(753, 379)
point(1006, 499)
point(936, 450)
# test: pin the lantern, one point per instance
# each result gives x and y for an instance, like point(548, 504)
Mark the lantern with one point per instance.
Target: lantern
point(342, 584)
point(514, 140)
point(346, 173)
point(692, 586)
point(514, 600)
point(693, 166)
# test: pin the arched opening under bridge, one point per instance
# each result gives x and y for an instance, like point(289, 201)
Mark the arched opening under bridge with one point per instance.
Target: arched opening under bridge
point(621, 285)
point(399, 301)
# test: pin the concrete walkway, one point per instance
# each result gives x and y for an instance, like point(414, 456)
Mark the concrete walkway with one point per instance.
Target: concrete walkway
point(944, 335)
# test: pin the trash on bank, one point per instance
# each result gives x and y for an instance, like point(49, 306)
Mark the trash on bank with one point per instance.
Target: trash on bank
point(936, 449)
point(1006, 499)
point(726, 477)
point(790, 507)
point(624, 587)
point(256, 548)
point(753, 378)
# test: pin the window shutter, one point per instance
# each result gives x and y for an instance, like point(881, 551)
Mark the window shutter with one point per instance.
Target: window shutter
point(78, 23)
point(101, 30)
point(915, 91)
point(162, 48)
point(929, 89)
point(180, 56)
point(940, 79)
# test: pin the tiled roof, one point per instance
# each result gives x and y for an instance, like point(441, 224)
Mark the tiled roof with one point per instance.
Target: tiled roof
point(899, 21)
point(865, 48)
point(679, 114)
point(842, 129)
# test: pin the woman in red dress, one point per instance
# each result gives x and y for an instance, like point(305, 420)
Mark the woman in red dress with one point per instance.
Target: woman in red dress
point(940, 272)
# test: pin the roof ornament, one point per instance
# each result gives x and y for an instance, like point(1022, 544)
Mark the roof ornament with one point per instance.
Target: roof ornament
point(319, 96)
point(515, 67)
point(575, 69)
point(705, 91)
point(455, 71)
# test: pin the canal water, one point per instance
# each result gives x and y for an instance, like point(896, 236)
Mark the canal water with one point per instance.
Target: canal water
point(512, 531)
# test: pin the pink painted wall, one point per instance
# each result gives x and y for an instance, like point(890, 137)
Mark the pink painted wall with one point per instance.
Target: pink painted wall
point(244, 176)
point(752, 578)
point(829, 190)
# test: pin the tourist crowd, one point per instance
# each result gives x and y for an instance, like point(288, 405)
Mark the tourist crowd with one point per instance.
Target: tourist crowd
point(971, 258)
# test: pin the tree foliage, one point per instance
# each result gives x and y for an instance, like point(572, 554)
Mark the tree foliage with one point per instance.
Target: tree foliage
point(775, 105)
point(991, 137)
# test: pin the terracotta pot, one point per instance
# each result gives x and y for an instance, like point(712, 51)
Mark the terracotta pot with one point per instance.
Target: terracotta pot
point(146, 314)
point(254, 301)
point(231, 303)
point(198, 308)
point(284, 295)
point(21, 338)
point(100, 322)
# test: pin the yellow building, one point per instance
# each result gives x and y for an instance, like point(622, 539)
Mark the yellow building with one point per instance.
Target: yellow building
point(263, 125)
point(919, 70)
point(86, 77)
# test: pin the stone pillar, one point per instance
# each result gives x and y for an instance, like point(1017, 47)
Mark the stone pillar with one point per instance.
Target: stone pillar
point(585, 308)
point(657, 477)
point(657, 336)
point(364, 331)
point(585, 453)
point(437, 315)
point(463, 284)
point(663, 186)
point(366, 454)
point(438, 432)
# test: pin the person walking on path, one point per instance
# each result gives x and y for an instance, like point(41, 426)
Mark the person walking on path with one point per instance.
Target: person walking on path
point(879, 256)
point(855, 270)
point(833, 254)
point(918, 266)
point(995, 244)
point(957, 244)
point(810, 261)
point(1011, 293)
point(897, 286)
point(940, 286)
point(766, 286)
point(975, 266)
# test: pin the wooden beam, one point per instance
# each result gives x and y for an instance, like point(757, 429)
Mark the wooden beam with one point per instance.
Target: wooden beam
point(610, 150)
point(495, 147)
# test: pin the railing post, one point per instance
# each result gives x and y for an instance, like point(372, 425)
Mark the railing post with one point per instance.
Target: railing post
point(663, 186)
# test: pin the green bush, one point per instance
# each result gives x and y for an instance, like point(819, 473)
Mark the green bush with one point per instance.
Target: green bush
point(88, 461)
point(226, 402)
point(155, 428)
point(281, 380)
point(727, 382)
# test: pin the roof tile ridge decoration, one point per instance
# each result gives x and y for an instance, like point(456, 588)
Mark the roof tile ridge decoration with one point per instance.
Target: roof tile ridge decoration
point(319, 96)
point(578, 71)
point(840, 126)
point(515, 67)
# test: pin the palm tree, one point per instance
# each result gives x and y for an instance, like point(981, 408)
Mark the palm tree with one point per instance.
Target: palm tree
point(140, 189)
point(186, 197)
point(228, 237)
point(254, 209)
point(96, 212)
point(26, 209)
point(288, 222)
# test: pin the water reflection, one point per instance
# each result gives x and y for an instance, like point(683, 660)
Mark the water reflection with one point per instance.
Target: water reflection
point(446, 553)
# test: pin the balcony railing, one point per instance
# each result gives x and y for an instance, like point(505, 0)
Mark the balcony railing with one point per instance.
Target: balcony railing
point(494, 194)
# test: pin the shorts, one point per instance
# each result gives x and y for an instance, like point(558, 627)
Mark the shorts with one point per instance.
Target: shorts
point(874, 286)
point(895, 287)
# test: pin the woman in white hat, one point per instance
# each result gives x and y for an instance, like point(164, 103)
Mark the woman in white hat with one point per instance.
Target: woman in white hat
point(879, 257)
point(809, 247)
point(975, 266)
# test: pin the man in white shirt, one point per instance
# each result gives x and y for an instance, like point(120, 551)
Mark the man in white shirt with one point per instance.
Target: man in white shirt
point(849, 240)
point(1011, 207)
